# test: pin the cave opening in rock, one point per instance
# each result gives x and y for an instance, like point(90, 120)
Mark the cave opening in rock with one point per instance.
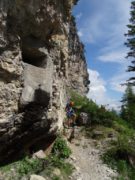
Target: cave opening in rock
point(34, 58)
point(43, 143)
point(33, 51)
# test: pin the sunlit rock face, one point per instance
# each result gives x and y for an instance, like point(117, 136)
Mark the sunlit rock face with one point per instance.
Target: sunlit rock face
point(40, 58)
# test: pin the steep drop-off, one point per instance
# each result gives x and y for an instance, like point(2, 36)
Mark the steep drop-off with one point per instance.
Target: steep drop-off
point(40, 58)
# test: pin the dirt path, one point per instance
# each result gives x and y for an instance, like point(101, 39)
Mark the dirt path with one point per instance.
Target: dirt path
point(86, 158)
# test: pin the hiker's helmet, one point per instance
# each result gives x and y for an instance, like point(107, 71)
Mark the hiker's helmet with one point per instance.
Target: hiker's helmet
point(71, 103)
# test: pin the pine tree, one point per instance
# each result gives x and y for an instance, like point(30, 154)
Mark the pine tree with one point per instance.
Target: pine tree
point(128, 105)
point(131, 42)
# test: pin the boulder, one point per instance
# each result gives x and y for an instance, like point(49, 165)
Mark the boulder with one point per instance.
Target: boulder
point(97, 134)
point(40, 155)
point(56, 172)
point(36, 177)
point(83, 118)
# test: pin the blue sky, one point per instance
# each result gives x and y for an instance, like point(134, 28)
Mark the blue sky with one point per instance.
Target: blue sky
point(101, 27)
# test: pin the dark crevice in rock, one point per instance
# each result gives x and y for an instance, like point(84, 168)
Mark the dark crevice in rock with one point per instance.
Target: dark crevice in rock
point(32, 53)
point(42, 144)
point(33, 60)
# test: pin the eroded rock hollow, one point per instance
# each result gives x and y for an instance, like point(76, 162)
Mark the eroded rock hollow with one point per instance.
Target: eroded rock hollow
point(40, 57)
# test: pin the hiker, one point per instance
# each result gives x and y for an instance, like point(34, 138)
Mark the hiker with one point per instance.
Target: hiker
point(70, 113)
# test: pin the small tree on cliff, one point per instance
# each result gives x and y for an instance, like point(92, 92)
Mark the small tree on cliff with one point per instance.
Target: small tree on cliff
point(131, 42)
point(128, 105)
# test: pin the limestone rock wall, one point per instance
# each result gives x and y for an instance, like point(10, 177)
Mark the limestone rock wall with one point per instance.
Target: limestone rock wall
point(40, 56)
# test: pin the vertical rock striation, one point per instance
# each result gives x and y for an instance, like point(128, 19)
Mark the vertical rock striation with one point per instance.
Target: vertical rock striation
point(40, 57)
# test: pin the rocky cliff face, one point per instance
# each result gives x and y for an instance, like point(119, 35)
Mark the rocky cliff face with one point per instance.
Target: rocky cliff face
point(40, 57)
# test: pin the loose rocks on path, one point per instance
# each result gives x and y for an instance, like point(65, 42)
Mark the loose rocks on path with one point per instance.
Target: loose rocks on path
point(87, 162)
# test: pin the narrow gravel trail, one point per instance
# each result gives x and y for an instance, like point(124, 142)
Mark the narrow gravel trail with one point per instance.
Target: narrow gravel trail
point(87, 161)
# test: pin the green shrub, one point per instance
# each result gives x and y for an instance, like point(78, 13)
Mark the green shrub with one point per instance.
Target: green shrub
point(97, 115)
point(125, 170)
point(60, 148)
point(23, 168)
point(28, 165)
point(118, 156)
point(123, 127)
point(65, 167)
point(56, 161)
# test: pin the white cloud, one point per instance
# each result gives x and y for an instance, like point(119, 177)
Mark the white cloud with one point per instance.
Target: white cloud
point(98, 91)
point(108, 21)
point(114, 50)
point(116, 56)
point(106, 24)
point(78, 16)
point(117, 80)
point(80, 34)
point(97, 87)
point(90, 29)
